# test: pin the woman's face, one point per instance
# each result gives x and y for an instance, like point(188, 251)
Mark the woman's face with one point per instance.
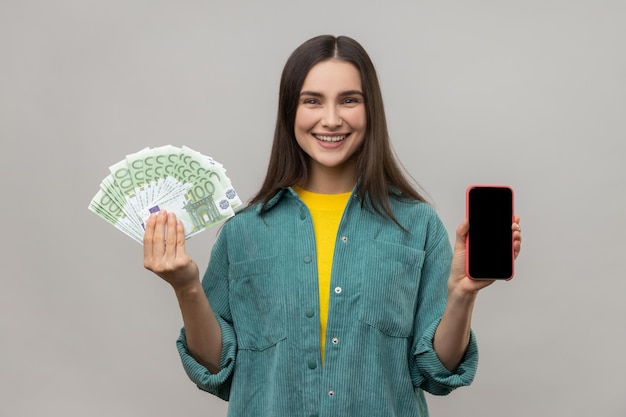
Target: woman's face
point(330, 119)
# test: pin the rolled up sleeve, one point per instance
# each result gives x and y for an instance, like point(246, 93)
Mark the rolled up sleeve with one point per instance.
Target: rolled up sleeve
point(217, 384)
point(215, 284)
point(429, 373)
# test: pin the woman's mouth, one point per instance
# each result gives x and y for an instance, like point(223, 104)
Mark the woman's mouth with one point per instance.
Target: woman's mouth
point(330, 138)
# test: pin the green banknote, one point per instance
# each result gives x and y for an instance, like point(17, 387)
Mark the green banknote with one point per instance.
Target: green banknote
point(104, 206)
point(206, 164)
point(179, 180)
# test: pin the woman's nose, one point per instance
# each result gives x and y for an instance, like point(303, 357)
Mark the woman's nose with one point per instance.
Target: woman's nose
point(332, 118)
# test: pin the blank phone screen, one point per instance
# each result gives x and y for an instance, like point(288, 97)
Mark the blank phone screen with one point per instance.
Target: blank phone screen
point(490, 238)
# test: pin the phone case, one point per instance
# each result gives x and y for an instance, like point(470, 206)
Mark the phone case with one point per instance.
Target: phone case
point(467, 246)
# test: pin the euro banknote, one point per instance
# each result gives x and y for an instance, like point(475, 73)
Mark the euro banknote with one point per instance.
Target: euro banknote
point(180, 180)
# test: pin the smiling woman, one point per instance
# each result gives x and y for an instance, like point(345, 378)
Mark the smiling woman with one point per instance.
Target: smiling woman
point(330, 126)
point(336, 291)
point(314, 62)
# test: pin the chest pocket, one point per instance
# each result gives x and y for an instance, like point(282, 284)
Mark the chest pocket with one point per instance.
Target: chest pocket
point(257, 304)
point(391, 277)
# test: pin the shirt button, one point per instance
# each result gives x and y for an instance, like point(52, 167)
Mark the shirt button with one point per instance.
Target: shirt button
point(311, 364)
point(308, 259)
point(338, 290)
point(344, 239)
point(302, 215)
point(335, 340)
point(310, 313)
point(331, 393)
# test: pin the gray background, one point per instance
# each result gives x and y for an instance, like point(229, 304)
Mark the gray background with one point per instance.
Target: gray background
point(527, 93)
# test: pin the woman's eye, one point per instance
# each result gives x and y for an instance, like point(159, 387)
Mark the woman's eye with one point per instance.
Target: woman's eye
point(350, 100)
point(309, 101)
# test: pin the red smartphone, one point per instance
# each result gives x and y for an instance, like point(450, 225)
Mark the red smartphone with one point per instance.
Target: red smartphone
point(489, 244)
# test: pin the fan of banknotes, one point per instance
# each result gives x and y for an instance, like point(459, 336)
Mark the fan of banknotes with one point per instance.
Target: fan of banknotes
point(180, 180)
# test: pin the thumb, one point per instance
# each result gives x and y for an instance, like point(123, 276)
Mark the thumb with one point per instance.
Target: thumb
point(461, 232)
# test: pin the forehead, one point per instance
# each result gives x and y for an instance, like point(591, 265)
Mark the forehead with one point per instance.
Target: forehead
point(332, 75)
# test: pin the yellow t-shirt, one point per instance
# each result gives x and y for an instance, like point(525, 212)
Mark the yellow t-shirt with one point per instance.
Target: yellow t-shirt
point(326, 211)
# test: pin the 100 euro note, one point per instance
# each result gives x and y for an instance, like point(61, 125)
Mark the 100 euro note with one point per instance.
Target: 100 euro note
point(182, 181)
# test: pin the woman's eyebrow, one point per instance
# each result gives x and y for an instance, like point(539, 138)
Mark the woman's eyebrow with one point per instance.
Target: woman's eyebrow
point(310, 93)
point(343, 93)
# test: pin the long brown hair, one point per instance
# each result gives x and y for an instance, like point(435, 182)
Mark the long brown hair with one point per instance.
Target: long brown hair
point(381, 175)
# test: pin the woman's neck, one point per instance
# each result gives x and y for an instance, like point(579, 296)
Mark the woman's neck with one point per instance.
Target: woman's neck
point(330, 180)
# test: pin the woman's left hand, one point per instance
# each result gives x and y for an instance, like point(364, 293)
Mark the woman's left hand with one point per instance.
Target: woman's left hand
point(459, 281)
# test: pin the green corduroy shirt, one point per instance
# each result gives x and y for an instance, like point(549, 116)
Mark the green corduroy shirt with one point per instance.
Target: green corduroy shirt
point(388, 293)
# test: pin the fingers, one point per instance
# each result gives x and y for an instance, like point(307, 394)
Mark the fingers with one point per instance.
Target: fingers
point(164, 235)
point(158, 240)
point(148, 237)
point(515, 226)
point(180, 239)
point(517, 230)
point(154, 244)
point(517, 236)
point(171, 235)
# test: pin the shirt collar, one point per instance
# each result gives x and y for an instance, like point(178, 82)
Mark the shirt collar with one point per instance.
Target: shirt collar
point(288, 192)
point(274, 200)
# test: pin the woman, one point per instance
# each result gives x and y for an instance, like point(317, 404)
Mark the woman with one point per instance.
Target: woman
point(336, 291)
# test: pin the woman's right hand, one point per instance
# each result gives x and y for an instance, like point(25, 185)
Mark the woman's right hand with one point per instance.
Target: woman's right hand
point(164, 251)
point(164, 254)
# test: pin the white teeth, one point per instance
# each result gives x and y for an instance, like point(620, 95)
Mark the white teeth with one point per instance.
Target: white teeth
point(331, 138)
